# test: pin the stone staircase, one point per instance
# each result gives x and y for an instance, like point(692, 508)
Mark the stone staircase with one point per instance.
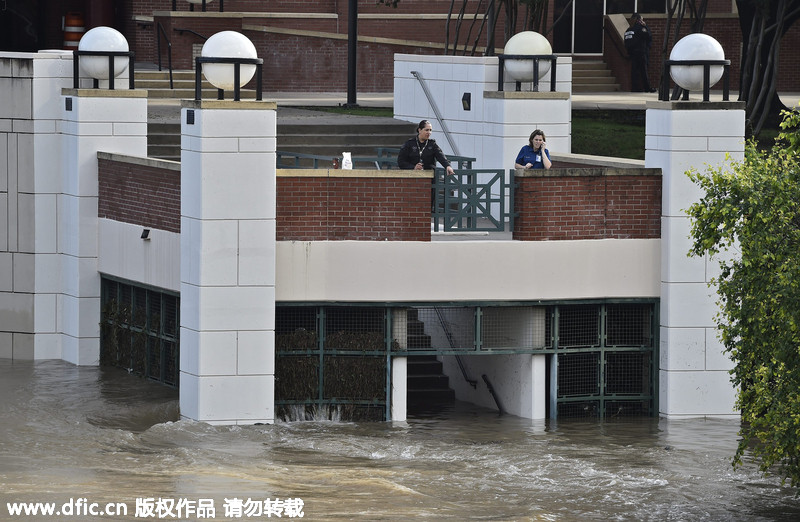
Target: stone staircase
point(299, 131)
point(361, 136)
point(428, 387)
point(157, 85)
point(164, 140)
point(592, 75)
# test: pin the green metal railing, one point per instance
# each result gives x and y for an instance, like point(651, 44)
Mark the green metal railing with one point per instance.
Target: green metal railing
point(473, 200)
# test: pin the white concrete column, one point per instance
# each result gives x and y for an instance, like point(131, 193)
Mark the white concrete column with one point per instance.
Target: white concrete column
point(93, 120)
point(680, 135)
point(399, 406)
point(228, 261)
point(511, 116)
point(30, 182)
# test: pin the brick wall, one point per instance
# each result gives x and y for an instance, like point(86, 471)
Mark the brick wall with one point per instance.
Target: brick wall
point(339, 205)
point(140, 191)
point(370, 205)
point(308, 62)
point(563, 204)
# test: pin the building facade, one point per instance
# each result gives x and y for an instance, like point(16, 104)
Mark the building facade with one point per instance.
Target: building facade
point(305, 45)
point(268, 271)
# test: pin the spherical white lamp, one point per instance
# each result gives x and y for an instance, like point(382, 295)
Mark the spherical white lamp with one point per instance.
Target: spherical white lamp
point(696, 46)
point(526, 43)
point(228, 44)
point(102, 39)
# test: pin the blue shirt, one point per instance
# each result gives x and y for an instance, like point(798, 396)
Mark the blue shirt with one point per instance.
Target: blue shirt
point(527, 155)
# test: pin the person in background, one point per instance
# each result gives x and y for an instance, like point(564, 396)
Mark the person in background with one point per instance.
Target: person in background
point(421, 152)
point(535, 155)
point(637, 42)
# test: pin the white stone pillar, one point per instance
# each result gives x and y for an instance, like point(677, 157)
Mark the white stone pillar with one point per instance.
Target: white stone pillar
point(510, 118)
point(93, 120)
point(538, 387)
point(30, 182)
point(399, 405)
point(228, 261)
point(693, 377)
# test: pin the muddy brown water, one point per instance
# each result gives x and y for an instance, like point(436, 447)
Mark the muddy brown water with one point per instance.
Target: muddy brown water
point(71, 432)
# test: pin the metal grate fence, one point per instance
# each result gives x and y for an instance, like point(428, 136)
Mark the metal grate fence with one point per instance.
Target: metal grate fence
point(336, 359)
point(606, 360)
point(140, 330)
point(332, 363)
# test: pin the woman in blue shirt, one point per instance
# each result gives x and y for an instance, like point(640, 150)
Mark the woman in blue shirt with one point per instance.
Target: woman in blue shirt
point(534, 155)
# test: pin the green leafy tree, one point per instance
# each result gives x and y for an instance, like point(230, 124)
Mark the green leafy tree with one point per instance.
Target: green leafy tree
point(749, 221)
point(763, 24)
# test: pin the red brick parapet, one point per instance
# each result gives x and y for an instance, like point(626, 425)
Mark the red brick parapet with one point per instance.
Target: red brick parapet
point(395, 205)
point(362, 205)
point(593, 203)
point(140, 191)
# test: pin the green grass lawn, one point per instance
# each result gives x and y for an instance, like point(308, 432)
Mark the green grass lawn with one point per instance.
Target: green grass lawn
point(619, 134)
point(614, 133)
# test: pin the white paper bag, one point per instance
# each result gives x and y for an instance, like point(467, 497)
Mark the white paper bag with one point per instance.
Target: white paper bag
point(347, 162)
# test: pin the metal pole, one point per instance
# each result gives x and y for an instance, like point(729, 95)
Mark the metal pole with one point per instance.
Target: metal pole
point(352, 40)
point(490, 29)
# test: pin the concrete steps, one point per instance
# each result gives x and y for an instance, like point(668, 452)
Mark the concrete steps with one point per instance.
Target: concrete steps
point(323, 138)
point(315, 133)
point(427, 386)
point(592, 75)
point(158, 87)
point(317, 137)
point(164, 141)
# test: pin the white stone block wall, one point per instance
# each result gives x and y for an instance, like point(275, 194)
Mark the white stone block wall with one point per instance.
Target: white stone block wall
point(693, 377)
point(480, 132)
point(124, 254)
point(31, 188)
point(227, 359)
point(93, 120)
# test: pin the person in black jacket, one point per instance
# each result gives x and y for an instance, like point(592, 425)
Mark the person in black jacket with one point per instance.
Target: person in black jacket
point(421, 152)
point(637, 42)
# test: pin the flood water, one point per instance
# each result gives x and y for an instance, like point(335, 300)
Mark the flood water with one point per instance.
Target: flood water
point(101, 434)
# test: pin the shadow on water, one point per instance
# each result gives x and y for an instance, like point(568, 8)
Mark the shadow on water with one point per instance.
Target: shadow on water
point(108, 436)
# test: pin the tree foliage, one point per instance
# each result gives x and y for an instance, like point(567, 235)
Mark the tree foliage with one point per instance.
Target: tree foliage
point(763, 24)
point(749, 221)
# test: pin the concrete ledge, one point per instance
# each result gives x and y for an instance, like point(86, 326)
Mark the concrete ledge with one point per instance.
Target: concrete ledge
point(604, 161)
point(229, 104)
point(696, 105)
point(342, 36)
point(526, 95)
point(241, 14)
point(353, 173)
point(592, 172)
point(138, 160)
point(303, 16)
point(106, 93)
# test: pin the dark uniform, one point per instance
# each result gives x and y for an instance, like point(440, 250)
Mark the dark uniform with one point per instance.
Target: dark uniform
point(428, 153)
point(637, 42)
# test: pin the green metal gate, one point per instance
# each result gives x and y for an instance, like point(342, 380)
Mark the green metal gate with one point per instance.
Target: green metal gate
point(332, 362)
point(606, 363)
point(473, 200)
